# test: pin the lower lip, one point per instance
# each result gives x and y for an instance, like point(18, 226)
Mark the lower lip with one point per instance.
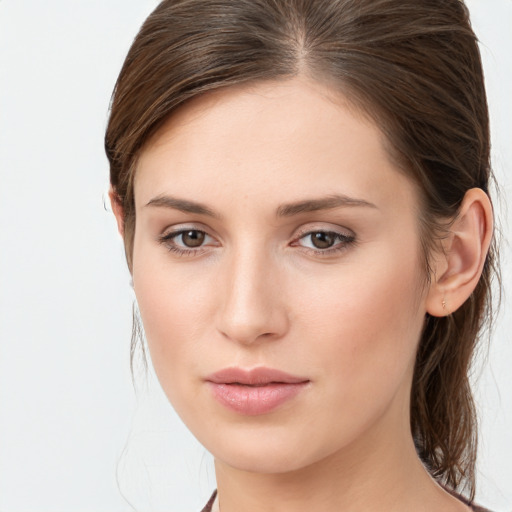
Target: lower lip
point(254, 400)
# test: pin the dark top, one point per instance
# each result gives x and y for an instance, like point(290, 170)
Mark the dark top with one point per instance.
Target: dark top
point(209, 505)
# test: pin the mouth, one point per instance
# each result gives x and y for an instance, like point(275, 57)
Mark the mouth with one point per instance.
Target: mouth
point(254, 392)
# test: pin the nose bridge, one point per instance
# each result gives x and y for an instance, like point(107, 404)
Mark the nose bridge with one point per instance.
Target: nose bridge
point(250, 307)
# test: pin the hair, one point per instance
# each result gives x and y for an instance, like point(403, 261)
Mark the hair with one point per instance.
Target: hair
point(412, 66)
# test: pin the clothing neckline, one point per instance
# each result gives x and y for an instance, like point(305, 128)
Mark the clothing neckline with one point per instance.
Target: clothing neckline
point(475, 508)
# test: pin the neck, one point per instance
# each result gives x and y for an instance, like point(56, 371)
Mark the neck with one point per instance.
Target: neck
point(369, 475)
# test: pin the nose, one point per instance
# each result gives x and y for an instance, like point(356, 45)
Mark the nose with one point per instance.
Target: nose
point(252, 306)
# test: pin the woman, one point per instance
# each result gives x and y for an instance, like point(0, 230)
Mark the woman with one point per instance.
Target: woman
point(302, 188)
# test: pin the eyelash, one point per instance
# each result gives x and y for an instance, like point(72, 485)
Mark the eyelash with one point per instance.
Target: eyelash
point(342, 242)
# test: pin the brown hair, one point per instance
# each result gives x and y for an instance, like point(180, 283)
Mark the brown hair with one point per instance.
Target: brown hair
point(414, 67)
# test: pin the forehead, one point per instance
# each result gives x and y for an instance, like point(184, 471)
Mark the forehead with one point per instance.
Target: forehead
point(269, 141)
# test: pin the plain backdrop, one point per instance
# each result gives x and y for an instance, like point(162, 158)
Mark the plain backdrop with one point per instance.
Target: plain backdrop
point(74, 436)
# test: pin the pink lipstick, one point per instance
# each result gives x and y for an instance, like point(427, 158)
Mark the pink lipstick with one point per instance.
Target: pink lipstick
point(256, 391)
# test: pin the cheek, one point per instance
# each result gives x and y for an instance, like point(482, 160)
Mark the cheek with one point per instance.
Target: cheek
point(366, 323)
point(170, 304)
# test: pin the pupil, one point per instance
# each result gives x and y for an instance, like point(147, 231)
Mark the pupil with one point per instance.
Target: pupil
point(322, 240)
point(193, 238)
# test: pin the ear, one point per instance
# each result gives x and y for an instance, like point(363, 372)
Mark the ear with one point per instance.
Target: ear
point(458, 265)
point(117, 208)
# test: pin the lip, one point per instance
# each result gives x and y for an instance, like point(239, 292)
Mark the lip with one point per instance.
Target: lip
point(256, 391)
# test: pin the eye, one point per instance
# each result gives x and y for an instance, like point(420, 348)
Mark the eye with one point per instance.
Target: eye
point(186, 241)
point(325, 241)
point(191, 238)
point(322, 240)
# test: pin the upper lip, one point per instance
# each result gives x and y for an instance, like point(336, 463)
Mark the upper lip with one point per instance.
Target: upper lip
point(253, 377)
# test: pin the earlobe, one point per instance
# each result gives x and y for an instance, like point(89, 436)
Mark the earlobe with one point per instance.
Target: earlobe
point(458, 266)
point(117, 208)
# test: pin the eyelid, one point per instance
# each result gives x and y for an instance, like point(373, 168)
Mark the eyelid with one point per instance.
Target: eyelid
point(185, 226)
point(323, 228)
point(174, 232)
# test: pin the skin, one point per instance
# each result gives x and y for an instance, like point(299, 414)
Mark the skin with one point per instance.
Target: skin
point(256, 292)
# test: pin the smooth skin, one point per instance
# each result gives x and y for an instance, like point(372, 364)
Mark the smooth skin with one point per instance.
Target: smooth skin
point(273, 229)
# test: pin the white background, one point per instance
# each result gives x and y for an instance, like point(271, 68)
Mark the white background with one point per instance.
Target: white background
point(69, 418)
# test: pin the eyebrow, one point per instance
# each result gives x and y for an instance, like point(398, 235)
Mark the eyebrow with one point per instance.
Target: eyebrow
point(323, 203)
point(285, 210)
point(183, 205)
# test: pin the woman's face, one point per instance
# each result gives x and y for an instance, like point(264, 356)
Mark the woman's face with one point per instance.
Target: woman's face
point(274, 233)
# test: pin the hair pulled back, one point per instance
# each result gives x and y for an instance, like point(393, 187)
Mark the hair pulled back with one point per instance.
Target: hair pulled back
point(414, 67)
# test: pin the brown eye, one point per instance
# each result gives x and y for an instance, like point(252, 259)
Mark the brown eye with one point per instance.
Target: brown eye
point(323, 240)
point(188, 242)
point(326, 242)
point(193, 238)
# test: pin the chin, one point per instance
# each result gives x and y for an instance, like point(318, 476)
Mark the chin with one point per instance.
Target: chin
point(264, 451)
point(263, 461)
